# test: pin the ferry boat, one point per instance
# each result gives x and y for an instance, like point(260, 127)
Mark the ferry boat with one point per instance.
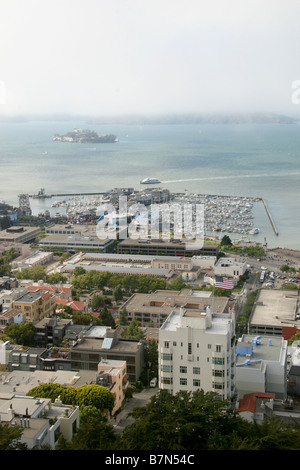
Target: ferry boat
point(150, 181)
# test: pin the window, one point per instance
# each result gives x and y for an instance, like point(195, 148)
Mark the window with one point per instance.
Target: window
point(174, 343)
point(218, 386)
point(196, 370)
point(167, 344)
point(183, 381)
point(218, 348)
point(209, 346)
point(165, 368)
point(218, 360)
point(189, 348)
point(218, 373)
point(183, 369)
point(167, 381)
point(167, 357)
point(196, 383)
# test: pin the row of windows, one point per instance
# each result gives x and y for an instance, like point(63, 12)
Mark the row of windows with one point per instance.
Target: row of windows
point(167, 344)
point(196, 382)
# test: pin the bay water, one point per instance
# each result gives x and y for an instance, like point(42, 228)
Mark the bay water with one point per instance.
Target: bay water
point(255, 160)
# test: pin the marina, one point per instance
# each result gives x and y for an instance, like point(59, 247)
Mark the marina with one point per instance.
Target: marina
point(223, 214)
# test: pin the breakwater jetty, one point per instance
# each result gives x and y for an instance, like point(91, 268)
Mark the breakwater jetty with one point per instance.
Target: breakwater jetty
point(270, 217)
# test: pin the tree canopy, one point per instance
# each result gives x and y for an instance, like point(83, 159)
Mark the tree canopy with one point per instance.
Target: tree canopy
point(86, 395)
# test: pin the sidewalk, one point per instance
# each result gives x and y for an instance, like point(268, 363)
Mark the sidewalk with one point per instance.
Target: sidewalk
point(138, 399)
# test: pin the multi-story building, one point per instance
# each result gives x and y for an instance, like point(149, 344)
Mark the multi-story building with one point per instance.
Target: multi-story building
point(261, 365)
point(35, 305)
point(196, 351)
point(87, 352)
point(167, 248)
point(276, 312)
point(8, 296)
point(113, 375)
point(12, 315)
point(231, 267)
point(19, 234)
point(83, 237)
point(41, 420)
point(50, 331)
point(153, 309)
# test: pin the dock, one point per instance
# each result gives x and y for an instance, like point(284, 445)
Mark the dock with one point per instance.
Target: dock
point(270, 217)
point(34, 196)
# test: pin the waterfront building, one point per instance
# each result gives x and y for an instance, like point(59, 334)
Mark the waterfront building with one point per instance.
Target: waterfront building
point(166, 248)
point(196, 351)
point(70, 238)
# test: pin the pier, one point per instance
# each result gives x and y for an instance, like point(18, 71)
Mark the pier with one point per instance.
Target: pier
point(34, 196)
point(270, 217)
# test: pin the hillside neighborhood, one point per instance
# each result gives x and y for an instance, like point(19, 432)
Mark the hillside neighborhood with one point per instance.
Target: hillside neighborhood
point(123, 326)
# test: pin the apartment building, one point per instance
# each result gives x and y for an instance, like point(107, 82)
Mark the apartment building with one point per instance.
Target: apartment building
point(35, 305)
point(8, 296)
point(153, 309)
point(41, 420)
point(196, 351)
point(113, 375)
point(87, 352)
point(12, 315)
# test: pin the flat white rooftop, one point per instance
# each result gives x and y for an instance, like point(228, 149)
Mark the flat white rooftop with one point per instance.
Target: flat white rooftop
point(275, 307)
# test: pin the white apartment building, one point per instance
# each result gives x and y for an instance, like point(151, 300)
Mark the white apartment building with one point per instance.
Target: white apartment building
point(196, 351)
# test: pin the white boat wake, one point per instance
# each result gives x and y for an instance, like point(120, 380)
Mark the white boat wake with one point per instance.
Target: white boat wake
point(260, 175)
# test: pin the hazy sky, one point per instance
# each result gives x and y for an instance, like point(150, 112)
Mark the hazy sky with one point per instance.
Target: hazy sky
point(148, 56)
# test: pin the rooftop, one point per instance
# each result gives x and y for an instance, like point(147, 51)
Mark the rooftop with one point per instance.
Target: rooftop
point(260, 348)
point(275, 307)
point(165, 301)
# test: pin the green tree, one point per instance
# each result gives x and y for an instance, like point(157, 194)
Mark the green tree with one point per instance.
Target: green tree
point(123, 317)
point(106, 318)
point(184, 421)
point(133, 331)
point(96, 301)
point(226, 241)
point(117, 294)
point(5, 222)
point(10, 437)
point(86, 395)
point(94, 432)
point(22, 333)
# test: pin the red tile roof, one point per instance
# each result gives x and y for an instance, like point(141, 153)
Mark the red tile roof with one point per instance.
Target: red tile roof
point(248, 402)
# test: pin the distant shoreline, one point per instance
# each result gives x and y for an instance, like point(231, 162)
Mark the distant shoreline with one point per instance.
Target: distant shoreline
point(159, 119)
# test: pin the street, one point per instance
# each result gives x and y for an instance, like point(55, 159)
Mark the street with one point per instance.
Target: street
point(138, 400)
